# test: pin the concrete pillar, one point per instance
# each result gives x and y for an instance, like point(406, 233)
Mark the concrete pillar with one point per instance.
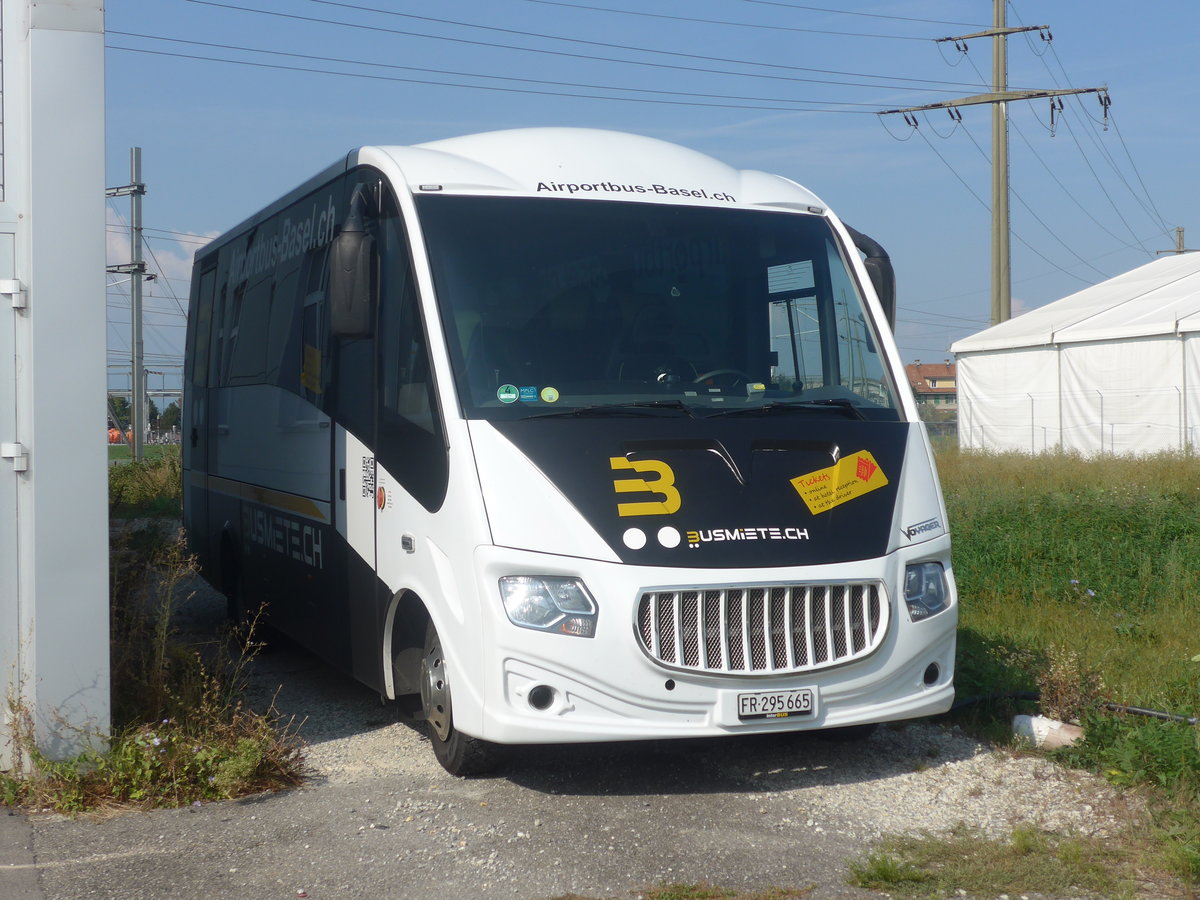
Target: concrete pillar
point(53, 463)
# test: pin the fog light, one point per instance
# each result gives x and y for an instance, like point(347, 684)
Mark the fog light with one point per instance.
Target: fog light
point(541, 697)
point(932, 673)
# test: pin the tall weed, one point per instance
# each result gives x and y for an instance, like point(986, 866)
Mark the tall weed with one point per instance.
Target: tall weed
point(153, 487)
point(180, 732)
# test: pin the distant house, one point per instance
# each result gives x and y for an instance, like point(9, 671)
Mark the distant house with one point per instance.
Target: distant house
point(934, 384)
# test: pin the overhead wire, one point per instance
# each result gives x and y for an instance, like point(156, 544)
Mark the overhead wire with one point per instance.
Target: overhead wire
point(359, 62)
point(1029, 209)
point(152, 329)
point(847, 12)
point(987, 205)
point(1057, 181)
point(1066, 191)
point(649, 15)
point(542, 50)
point(486, 87)
point(1148, 206)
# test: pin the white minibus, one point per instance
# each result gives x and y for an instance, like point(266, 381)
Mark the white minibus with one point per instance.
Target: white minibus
point(579, 436)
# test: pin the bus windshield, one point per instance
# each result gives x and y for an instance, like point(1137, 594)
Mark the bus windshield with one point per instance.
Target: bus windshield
point(560, 306)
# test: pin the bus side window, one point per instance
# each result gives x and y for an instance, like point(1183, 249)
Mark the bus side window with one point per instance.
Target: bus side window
point(199, 332)
point(412, 443)
point(314, 338)
point(352, 326)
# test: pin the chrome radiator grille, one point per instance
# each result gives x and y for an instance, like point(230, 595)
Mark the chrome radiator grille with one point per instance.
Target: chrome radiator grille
point(763, 629)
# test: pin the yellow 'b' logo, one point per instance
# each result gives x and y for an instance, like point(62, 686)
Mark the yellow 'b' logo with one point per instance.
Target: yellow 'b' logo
point(663, 486)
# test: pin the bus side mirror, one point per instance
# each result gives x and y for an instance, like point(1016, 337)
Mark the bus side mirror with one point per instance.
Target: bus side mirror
point(352, 280)
point(879, 269)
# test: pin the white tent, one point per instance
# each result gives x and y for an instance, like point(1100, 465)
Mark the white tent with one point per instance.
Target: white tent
point(1114, 368)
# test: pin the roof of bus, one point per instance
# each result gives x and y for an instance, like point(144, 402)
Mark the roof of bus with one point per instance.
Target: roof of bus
point(588, 163)
point(560, 162)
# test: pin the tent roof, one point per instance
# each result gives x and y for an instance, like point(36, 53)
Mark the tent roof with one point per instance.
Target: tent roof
point(1161, 297)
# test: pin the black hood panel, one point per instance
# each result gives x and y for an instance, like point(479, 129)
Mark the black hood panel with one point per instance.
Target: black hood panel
point(724, 493)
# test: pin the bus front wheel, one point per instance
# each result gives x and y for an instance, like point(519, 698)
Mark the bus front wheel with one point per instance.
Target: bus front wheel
point(458, 753)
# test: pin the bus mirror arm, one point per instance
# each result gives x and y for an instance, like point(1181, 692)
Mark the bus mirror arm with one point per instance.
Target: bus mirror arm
point(879, 268)
point(351, 281)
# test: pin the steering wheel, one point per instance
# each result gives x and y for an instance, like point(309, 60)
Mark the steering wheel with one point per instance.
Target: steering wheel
point(738, 376)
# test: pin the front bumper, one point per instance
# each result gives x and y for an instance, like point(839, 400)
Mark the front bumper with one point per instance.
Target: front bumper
point(524, 686)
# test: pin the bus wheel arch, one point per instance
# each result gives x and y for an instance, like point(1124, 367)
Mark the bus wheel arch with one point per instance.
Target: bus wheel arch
point(459, 754)
point(404, 641)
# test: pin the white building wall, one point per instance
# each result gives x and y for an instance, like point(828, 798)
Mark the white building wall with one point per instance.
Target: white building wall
point(1008, 400)
point(1132, 396)
point(53, 515)
point(1123, 397)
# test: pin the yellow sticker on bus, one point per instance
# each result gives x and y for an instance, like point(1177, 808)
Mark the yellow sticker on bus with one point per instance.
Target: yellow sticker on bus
point(850, 477)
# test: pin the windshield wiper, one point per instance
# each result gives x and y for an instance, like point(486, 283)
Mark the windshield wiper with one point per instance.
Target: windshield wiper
point(836, 403)
point(632, 408)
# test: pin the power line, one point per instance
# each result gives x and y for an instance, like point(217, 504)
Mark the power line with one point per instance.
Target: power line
point(846, 12)
point(650, 50)
point(722, 22)
point(184, 237)
point(1151, 212)
point(483, 87)
point(359, 62)
point(1029, 209)
point(985, 205)
point(1079, 147)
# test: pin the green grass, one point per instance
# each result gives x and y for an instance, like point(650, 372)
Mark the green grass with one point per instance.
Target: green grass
point(1096, 557)
point(118, 452)
point(1028, 861)
point(1079, 579)
point(705, 891)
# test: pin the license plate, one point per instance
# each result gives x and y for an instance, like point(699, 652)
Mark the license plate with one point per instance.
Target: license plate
point(776, 704)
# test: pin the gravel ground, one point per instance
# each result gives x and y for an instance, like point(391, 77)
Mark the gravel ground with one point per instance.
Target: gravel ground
point(381, 818)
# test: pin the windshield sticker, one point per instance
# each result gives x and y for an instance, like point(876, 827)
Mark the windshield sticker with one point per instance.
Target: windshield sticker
point(851, 477)
point(528, 393)
point(550, 395)
point(797, 276)
point(508, 393)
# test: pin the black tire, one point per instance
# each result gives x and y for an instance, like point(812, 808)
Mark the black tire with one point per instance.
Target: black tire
point(458, 753)
point(231, 585)
point(248, 624)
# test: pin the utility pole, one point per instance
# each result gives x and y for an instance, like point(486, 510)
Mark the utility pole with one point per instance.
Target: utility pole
point(1180, 246)
point(136, 269)
point(1001, 257)
point(999, 98)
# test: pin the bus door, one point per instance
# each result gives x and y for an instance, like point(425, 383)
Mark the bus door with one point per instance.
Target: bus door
point(354, 292)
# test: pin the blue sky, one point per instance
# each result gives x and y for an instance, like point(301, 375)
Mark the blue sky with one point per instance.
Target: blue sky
point(777, 85)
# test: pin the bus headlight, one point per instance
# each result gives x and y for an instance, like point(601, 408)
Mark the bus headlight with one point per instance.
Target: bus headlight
point(925, 590)
point(549, 603)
